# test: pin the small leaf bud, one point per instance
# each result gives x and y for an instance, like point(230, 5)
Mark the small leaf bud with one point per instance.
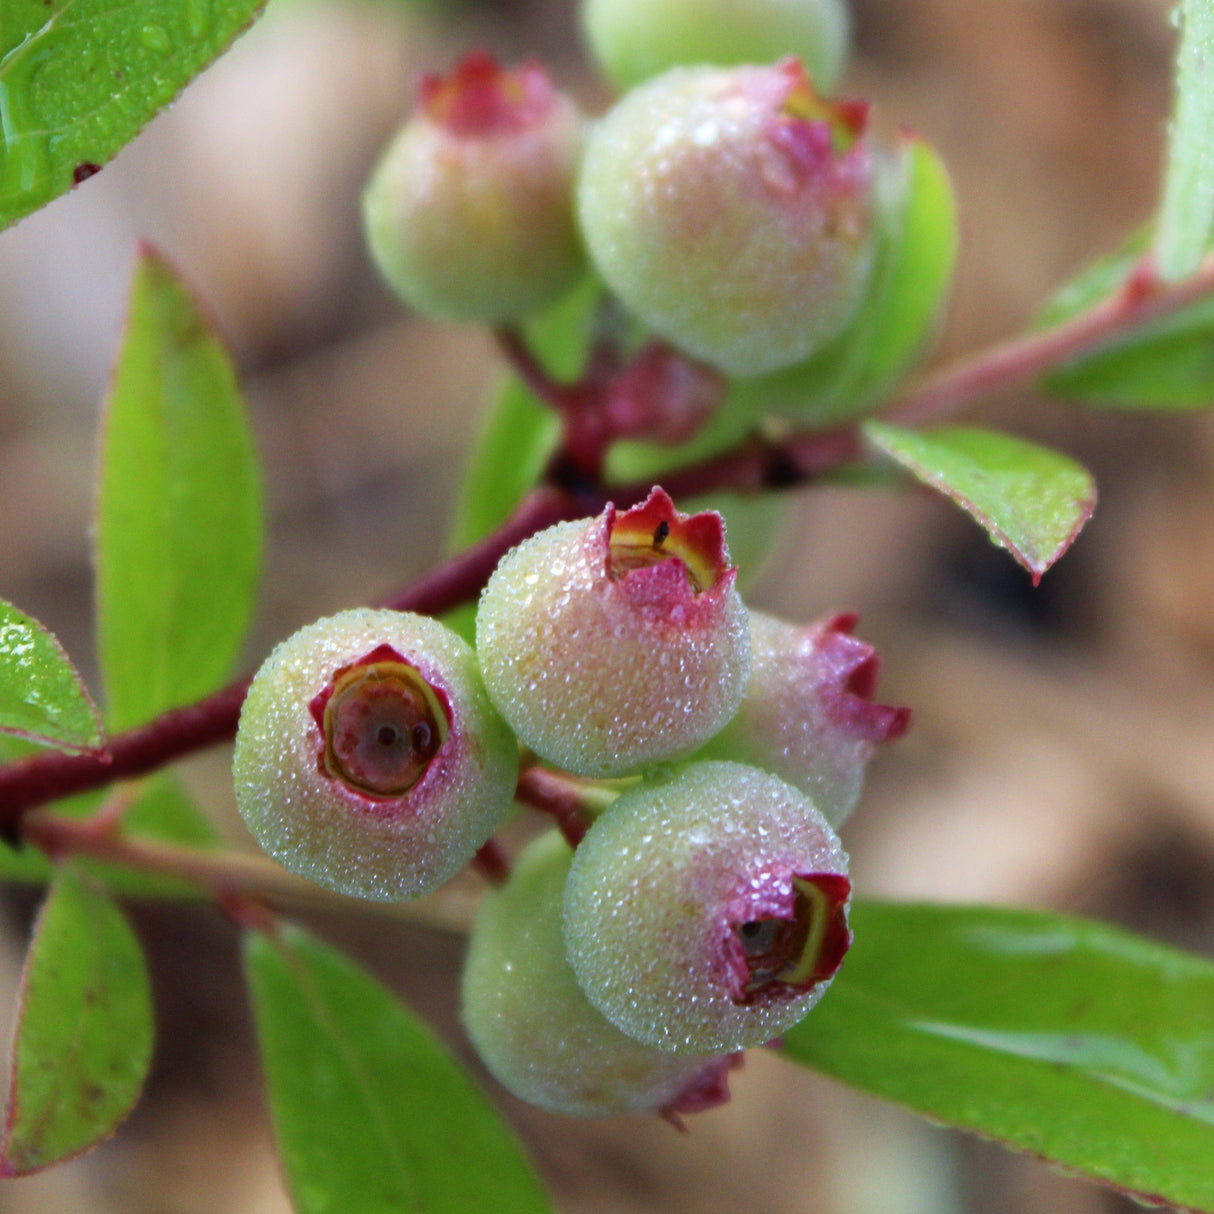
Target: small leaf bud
point(808, 714)
point(707, 912)
point(633, 40)
point(730, 209)
point(469, 214)
point(369, 758)
point(534, 1028)
point(613, 643)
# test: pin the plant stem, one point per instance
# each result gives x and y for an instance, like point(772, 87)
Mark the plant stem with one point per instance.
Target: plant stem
point(753, 466)
point(557, 796)
point(181, 731)
point(1143, 297)
point(226, 877)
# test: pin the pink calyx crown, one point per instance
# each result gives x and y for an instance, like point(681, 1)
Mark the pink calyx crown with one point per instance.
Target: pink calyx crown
point(480, 99)
point(784, 933)
point(817, 139)
point(381, 723)
point(847, 681)
point(653, 537)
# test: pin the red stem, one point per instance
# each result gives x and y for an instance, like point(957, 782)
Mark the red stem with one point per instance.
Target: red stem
point(797, 459)
point(1144, 297)
point(557, 796)
point(180, 731)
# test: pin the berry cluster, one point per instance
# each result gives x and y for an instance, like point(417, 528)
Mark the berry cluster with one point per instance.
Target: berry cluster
point(749, 239)
point(704, 910)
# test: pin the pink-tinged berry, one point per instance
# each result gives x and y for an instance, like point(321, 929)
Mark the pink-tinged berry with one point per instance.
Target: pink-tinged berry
point(369, 758)
point(617, 642)
point(633, 40)
point(730, 209)
point(469, 214)
point(808, 714)
point(707, 912)
point(534, 1028)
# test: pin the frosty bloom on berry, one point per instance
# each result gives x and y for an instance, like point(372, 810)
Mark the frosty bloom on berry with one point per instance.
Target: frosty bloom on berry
point(730, 209)
point(808, 714)
point(469, 214)
point(369, 757)
point(534, 1028)
point(613, 643)
point(708, 912)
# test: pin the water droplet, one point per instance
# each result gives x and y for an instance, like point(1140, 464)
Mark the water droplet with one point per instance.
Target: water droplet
point(155, 38)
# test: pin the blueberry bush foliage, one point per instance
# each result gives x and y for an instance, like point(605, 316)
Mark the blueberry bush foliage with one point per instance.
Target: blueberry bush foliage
point(713, 289)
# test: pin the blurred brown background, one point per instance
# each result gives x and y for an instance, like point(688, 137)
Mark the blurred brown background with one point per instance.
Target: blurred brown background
point(1063, 747)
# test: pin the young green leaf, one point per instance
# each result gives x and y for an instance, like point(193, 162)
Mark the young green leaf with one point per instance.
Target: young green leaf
point(1164, 364)
point(178, 535)
point(1074, 1041)
point(84, 1030)
point(370, 1112)
point(1031, 500)
point(79, 78)
point(1186, 215)
point(41, 695)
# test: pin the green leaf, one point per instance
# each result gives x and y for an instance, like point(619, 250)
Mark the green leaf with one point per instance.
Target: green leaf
point(520, 432)
point(1095, 282)
point(370, 1112)
point(916, 251)
point(1031, 500)
point(1077, 1042)
point(1186, 215)
point(41, 695)
point(79, 78)
point(84, 1031)
point(179, 512)
point(1164, 364)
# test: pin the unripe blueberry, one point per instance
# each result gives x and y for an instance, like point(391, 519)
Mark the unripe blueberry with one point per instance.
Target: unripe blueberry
point(730, 209)
point(369, 758)
point(613, 643)
point(635, 39)
point(534, 1028)
point(808, 714)
point(469, 214)
point(708, 912)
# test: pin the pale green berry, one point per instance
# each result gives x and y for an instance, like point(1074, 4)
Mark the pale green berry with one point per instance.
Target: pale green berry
point(635, 39)
point(369, 758)
point(730, 209)
point(534, 1028)
point(707, 912)
point(469, 214)
point(614, 643)
point(808, 713)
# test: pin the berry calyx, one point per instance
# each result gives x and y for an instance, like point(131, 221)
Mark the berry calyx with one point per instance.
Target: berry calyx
point(617, 642)
point(369, 758)
point(707, 911)
point(382, 724)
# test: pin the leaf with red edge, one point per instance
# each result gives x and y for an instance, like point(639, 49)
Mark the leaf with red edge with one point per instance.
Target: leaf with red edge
point(84, 1030)
point(1063, 1037)
point(1031, 500)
